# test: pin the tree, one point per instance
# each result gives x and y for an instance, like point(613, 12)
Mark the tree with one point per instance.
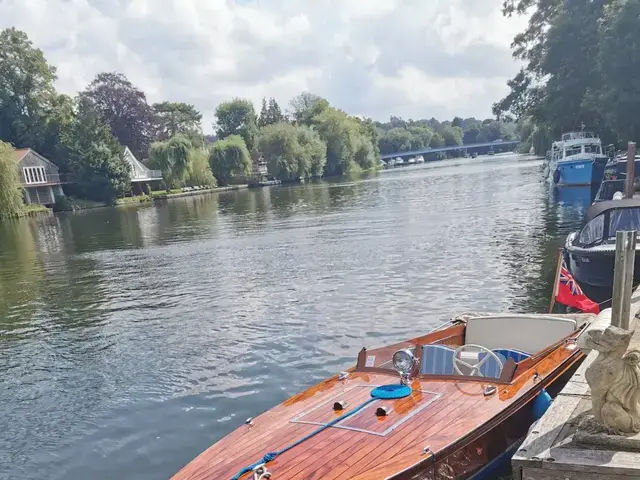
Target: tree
point(26, 90)
point(341, 136)
point(292, 151)
point(94, 156)
point(560, 47)
point(421, 136)
point(306, 106)
point(270, 114)
point(281, 149)
point(437, 141)
point(11, 204)
point(370, 133)
point(452, 136)
point(124, 108)
point(237, 117)
point(264, 114)
point(457, 122)
point(396, 140)
point(229, 158)
point(471, 135)
point(172, 157)
point(618, 95)
point(313, 149)
point(173, 118)
point(199, 173)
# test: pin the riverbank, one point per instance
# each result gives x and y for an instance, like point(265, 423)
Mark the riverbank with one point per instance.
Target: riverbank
point(75, 205)
point(193, 193)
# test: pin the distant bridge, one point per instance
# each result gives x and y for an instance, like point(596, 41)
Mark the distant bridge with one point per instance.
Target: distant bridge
point(424, 151)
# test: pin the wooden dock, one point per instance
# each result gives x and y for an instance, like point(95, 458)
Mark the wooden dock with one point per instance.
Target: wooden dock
point(555, 448)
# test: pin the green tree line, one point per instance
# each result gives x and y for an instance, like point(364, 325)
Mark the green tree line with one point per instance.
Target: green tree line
point(581, 59)
point(398, 135)
point(86, 135)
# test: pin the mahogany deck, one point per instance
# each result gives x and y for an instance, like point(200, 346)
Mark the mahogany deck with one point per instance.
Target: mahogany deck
point(444, 415)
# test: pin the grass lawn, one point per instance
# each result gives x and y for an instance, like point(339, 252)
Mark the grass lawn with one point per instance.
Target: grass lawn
point(133, 200)
point(34, 209)
point(157, 193)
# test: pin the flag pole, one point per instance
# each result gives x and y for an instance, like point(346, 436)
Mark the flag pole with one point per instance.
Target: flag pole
point(554, 292)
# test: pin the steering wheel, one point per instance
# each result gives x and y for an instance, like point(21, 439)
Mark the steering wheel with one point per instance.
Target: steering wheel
point(475, 369)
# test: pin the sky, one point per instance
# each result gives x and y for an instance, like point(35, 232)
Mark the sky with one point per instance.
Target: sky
point(375, 58)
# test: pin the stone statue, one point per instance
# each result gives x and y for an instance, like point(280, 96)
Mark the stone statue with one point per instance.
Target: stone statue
point(614, 379)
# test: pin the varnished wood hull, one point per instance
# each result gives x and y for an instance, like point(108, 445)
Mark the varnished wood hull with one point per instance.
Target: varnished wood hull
point(462, 429)
point(481, 457)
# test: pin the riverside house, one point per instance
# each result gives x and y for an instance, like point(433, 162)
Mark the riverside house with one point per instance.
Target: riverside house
point(142, 178)
point(40, 178)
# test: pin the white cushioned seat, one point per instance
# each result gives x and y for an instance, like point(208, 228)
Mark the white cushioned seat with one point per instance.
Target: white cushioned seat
point(526, 333)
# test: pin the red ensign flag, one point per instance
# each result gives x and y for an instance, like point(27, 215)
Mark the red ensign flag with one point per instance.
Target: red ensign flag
point(569, 293)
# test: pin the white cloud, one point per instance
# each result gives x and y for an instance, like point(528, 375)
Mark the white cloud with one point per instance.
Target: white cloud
point(412, 58)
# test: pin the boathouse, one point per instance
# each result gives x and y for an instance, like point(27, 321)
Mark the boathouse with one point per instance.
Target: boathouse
point(40, 178)
point(140, 175)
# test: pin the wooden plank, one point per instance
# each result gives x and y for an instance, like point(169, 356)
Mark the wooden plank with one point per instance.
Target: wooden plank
point(543, 474)
point(544, 434)
point(596, 461)
point(580, 389)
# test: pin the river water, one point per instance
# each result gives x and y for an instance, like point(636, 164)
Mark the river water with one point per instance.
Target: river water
point(133, 338)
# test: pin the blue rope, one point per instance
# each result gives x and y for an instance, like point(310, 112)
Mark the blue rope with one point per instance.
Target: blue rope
point(272, 455)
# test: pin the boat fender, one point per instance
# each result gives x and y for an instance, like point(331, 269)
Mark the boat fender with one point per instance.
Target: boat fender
point(556, 176)
point(541, 404)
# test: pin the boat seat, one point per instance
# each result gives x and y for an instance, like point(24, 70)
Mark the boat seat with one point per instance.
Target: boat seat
point(437, 360)
point(523, 333)
point(491, 368)
point(508, 353)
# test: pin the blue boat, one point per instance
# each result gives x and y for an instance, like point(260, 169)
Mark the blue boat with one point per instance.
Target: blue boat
point(578, 159)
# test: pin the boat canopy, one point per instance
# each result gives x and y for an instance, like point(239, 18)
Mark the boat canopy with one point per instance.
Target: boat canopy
point(602, 207)
point(605, 219)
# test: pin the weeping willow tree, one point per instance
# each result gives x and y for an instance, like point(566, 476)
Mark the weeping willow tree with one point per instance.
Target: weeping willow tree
point(11, 204)
point(172, 157)
point(199, 173)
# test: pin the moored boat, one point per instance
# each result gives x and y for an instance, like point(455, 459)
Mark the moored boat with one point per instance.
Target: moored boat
point(411, 161)
point(617, 167)
point(399, 161)
point(578, 159)
point(590, 252)
point(419, 159)
point(449, 404)
point(609, 187)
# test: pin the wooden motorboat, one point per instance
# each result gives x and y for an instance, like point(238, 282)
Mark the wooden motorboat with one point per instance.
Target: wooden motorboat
point(473, 388)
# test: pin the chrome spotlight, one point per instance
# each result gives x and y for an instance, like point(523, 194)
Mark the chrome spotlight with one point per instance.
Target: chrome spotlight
point(404, 362)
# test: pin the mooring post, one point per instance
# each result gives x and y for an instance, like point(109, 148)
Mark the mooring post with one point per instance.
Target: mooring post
point(631, 168)
point(623, 279)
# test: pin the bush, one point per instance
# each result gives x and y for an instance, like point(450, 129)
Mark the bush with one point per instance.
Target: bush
point(62, 204)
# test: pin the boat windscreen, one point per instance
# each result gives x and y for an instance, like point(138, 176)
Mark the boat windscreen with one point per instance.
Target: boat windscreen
point(623, 219)
point(592, 149)
point(592, 232)
point(608, 188)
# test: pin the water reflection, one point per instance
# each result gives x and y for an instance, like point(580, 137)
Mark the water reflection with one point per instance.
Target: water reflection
point(131, 339)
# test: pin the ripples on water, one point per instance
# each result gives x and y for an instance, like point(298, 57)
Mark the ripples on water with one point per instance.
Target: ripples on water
point(132, 339)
